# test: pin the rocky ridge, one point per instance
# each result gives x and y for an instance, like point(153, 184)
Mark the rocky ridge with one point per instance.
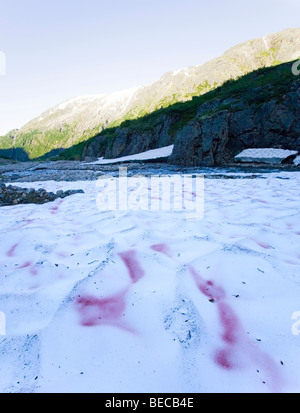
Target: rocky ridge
point(78, 119)
point(259, 110)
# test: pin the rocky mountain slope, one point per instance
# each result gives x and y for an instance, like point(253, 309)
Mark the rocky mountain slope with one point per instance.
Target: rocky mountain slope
point(181, 85)
point(260, 109)
point(79, 119)
point(66, 124)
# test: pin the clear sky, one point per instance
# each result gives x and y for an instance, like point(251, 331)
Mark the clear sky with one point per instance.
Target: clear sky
point(56, 50)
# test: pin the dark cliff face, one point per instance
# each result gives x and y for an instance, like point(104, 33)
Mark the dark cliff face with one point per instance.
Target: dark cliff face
point(128, 141)
point(216, 139)
point(75, 122)
point(259, 110)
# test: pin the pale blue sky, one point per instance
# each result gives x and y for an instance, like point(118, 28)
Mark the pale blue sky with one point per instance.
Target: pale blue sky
point(56, 50)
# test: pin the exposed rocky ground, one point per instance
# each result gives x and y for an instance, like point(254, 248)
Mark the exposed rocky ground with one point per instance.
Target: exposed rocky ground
point(214, 139)
point(19, 172)
point(82, 171)
point(13, 195)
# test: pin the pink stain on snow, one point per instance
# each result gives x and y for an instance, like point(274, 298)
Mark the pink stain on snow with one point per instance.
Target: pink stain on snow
point(11, 251)
point(102, 311)
point(62, 254)
point(236, 342)
point(25, 223)
point(54, 209)
point(194, 195)
point(261, 244)
point(223, 358)
point(134, 268)
point(163, 248)
point(290, 261)
point(207, 288)
point(230, 323)
point(25, 264)
point(33, 270)
point(34, 287)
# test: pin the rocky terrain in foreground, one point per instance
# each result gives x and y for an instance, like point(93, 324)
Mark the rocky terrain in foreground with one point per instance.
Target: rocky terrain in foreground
point(18, 172)
point(13, 195)
point(82, 171)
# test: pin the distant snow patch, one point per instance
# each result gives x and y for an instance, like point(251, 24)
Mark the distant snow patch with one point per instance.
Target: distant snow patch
point(176, 72)
point(265, 155)
point(151, 154)
point(266, 44)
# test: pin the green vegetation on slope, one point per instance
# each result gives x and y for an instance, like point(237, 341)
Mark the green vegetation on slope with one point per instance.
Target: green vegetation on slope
point(38, 143)
point(254, 88)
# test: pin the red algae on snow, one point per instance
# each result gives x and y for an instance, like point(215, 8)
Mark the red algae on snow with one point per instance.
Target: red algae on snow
point(134, 268)
point(25, 223)
point(11, 251)
point(109, 310)
point(207, 288)
point(236, 343)
point(33, 270)
point(163, 248)
point(95, 311)
point(230, 323)
point(262, 244)
point(223, 358)
point(54, 209)
point(25, 264)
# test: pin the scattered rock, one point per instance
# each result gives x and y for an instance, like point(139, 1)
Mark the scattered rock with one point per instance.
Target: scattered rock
point(13, 195)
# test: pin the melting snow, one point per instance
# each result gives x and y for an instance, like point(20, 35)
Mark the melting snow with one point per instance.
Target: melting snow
point(147, 301)
point(268, 155)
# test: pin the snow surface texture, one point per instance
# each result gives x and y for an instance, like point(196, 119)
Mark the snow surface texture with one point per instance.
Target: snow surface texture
point(267, 155)
point(151, 154)
point(147, 301)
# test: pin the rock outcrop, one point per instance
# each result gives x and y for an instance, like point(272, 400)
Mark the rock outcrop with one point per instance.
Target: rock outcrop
point(259, 110)
point(14, 195)
point(216, 139)
point(129, 141)
point(79, 119)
